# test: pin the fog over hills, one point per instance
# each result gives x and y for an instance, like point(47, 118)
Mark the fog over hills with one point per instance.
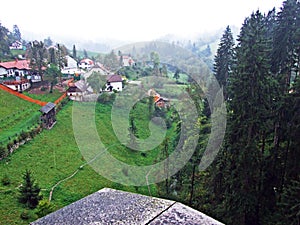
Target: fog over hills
point(104, 45)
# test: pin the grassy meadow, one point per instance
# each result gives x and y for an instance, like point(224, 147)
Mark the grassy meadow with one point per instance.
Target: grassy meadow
point(53, 155)
point(15, 115)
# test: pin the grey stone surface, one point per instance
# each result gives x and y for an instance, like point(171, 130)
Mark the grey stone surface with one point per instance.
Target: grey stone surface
point(182, 214)
point(109, 206)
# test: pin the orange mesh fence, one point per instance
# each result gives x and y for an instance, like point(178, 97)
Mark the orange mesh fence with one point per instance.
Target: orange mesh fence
point(60, 98)
point(26, 98)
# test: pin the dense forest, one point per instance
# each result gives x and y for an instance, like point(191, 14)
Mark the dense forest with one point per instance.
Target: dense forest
point(255, 178)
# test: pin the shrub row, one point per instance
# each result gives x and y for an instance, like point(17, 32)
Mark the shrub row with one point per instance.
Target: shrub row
point(23, 137)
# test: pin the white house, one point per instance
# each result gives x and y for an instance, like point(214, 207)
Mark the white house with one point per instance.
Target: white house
point(114, 82)
point(18, 85)
point(78, 90)
point(71, 66)
point(86, 64)
point(16, 45)
point(75, 93)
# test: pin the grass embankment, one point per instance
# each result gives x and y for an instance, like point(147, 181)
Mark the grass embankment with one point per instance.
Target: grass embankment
point(53, 155)
point(16, 115)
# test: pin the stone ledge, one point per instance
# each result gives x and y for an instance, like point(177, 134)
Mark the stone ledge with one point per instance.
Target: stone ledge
point(109, 206)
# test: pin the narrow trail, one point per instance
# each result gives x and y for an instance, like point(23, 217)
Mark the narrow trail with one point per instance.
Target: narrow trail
point(77, 170)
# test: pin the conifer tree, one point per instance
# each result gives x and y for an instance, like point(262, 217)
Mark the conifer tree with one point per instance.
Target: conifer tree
point(285, 67)
point(29, 191)
point(289, 204)
point(224, 59)
point(248, 124)
point(4, 43)
point(16, 33)
point(74, 53)
point(286, 41)
point(37, 54)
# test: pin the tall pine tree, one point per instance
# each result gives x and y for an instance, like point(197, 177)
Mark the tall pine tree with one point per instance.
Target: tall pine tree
point(249, 105)
point(285, 67)
point(224, 59)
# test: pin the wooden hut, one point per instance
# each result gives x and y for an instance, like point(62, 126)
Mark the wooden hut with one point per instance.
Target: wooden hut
point(48, 115)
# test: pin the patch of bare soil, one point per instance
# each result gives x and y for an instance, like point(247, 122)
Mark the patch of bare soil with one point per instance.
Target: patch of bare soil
point(38, 90)
point(45, 89)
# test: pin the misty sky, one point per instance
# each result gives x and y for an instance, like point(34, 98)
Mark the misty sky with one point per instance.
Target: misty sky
point(130, 20)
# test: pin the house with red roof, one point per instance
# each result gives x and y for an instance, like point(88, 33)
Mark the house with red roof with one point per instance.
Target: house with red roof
point(114, 82)
point(19, 71)
point(158, 100)
point(15, 68)
point(18, 85)
point(86, 64)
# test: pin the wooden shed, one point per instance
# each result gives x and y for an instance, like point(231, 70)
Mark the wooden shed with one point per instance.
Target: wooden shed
point(48, 115)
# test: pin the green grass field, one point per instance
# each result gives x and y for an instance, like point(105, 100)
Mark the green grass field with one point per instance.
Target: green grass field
point(15, 115)
point(45, 97)
point(53, 155)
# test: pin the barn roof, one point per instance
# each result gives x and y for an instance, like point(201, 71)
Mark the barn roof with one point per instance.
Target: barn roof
point(48, 107)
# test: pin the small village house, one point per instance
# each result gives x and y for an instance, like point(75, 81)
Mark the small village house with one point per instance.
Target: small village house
point(158, 100)
point(71, 67)
point(15, 68)
point(114, 82)
point(74, 93)
point(161, 102)
point(126, 60)
point(86, 64)
point(19, 74)
point(18, 85)
point(99, 68)
point(79, 90)
point(17, 45)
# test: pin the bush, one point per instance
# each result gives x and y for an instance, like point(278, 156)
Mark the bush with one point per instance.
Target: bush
point(10, 145)
point(24, 135)
point(106, 98)
point(24, 215)
point(2, 152)
point(44, 207)
point(5, 180)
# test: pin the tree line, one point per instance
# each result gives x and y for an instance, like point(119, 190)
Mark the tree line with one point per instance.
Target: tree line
point(255, 178)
